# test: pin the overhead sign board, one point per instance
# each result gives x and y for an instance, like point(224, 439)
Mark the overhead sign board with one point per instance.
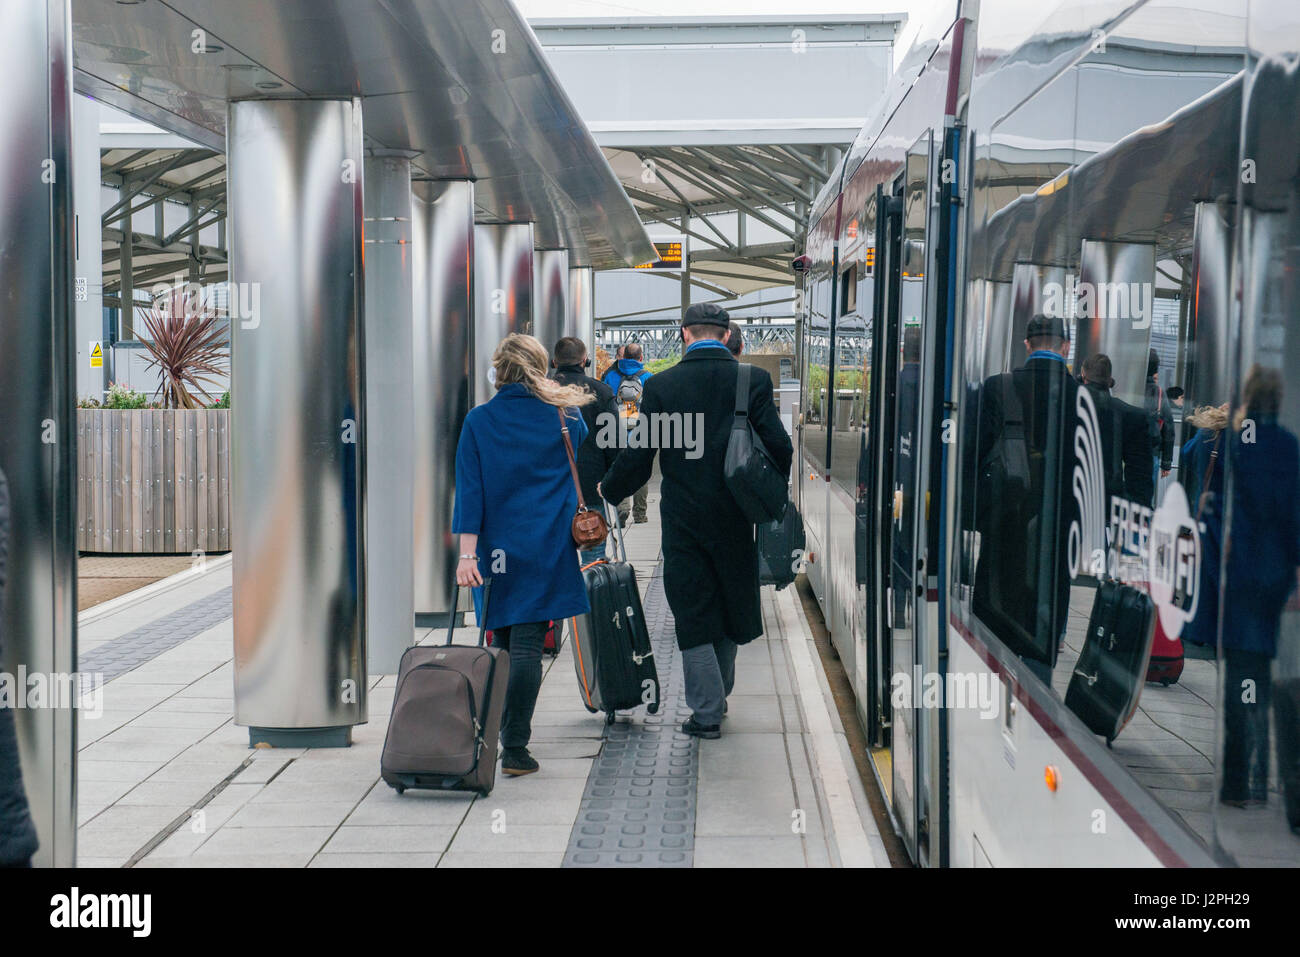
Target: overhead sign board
point(670, 256)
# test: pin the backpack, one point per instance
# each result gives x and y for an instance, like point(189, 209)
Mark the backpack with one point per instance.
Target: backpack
point(1005, 478)
point(629, 394)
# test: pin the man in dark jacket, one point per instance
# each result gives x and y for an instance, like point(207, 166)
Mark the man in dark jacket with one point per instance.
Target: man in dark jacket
point(570, 362)
point(736, 339)
point(1126, 448)
point(627, 377)
point(17, 833)
point(710, 559)
point(1024, 502)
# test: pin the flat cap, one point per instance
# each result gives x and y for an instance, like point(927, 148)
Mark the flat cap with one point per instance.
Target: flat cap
point(1041, 325)
point(706, 314)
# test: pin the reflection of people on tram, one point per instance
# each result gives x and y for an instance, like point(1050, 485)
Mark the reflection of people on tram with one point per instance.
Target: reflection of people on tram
point(1262, 552)
point(1202, 475)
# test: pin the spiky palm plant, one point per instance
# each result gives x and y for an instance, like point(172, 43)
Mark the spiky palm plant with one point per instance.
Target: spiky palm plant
point(186, 343)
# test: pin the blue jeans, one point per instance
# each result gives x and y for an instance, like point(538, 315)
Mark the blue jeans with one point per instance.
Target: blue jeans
point(589, 555)
point(524, 643)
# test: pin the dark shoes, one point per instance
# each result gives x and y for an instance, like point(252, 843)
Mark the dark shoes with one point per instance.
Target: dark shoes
point(517, 761)
point(640, 519)
point(697, 730)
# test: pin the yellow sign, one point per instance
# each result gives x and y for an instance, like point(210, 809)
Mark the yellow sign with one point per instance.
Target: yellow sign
point(670, 257)
point(96, 355)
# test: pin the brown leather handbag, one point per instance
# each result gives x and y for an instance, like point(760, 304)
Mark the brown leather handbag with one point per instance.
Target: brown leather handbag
point(588, 528)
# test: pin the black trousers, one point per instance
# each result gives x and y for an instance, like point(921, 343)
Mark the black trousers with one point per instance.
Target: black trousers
point(1245, 725)
point(524, 643)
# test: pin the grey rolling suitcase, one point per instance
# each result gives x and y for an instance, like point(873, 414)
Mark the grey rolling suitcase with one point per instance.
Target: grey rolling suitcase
point(442, 734)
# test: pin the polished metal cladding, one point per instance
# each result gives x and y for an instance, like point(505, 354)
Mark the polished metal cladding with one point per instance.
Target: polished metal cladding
point(1208, 376)
point(503, 290)
point(1035, 290)
point(464, 83)
point(1120, 277)
point(581, 321)
point(390, 463)
point(298, 419)
point(550, 296)
point(37, 399)
point(443, 246)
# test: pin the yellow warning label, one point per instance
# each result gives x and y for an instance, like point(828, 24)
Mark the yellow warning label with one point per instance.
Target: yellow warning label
point(96, 355)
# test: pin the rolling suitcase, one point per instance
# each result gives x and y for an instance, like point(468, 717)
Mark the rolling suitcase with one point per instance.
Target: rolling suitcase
point(611, 644)
point(780, 548)
point(1166, 665)
point(442, 734)
point(1107, 680)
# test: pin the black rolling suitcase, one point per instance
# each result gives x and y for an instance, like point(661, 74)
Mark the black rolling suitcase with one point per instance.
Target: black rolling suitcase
point(780, 548)
point(1112, 668)
point(612, 656)
point(442, 734)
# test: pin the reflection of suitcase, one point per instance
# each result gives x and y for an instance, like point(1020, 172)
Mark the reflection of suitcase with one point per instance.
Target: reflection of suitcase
point(1107, 679)
point(611, 644)
point(1166, 665)
point(442, 734)
point(1286, 727)
point(780, 548)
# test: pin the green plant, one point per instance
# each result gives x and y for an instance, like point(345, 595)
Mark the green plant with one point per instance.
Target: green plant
point(120, 396)
point(89, 404)
point(659, 365)
point(187, 345)
point(223, 402)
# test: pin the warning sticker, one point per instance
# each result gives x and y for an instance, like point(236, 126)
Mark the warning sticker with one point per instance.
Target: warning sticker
point(96, 355)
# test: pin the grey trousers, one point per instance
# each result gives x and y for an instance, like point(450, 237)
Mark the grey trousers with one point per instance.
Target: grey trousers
point(710, 673)
point(639, 506)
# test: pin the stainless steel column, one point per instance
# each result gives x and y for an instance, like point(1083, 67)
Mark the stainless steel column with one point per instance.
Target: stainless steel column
point(1109, 323)
point(550, 296)
point(390, 462)
point(443, 245)
point(38, 630)
point(503, 289)
point(295, 199)
point(1208, 377)
point(1036, 289)
point(582, 308)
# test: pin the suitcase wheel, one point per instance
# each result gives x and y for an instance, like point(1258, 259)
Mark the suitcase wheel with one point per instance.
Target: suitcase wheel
point(484, 792)
point(652, 708)
point(609, 717)
point(399, 788)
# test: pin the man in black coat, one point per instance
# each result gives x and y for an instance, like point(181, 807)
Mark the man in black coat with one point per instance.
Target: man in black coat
point(710, 559)
point(17, 833)
point(1022, 580)
point(570, 361)
point(1125, 442)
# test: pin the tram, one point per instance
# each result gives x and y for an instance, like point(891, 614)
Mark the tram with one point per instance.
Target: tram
point(1132, 167)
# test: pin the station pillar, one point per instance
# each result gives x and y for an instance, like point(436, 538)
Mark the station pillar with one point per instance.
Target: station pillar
point(389, 379)
point(298, 430)
point(503, 290)
point(443, 254)
point(581, 321)
point(38, 630)
point(550, 296)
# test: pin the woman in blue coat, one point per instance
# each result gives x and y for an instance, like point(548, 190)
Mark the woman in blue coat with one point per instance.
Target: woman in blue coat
point(515, 501)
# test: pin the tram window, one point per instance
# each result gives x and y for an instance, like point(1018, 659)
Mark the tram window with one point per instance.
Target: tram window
point(849, 289)
point(1144, 280)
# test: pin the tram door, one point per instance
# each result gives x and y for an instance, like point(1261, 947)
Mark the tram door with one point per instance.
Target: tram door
point(904, 309)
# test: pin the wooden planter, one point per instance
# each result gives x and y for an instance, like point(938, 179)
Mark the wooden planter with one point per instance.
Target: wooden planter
point(153, 480)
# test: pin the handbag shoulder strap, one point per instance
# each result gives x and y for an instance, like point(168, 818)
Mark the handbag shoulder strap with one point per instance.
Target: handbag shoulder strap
point(1209, 473)
point(568, 450)
point(742, 394)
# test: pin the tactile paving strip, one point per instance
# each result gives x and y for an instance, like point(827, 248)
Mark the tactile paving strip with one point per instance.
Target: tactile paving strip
point(128, 652)
point(638, 809)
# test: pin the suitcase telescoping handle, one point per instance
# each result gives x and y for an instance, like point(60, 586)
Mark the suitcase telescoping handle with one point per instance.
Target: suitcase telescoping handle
point(618, 536)
point(482, 622)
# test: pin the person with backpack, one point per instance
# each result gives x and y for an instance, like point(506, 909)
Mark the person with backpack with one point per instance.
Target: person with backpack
point(627, 377)
point(710, 571)
point(1025, 424)
point(1125, 446)
point(1161, 415)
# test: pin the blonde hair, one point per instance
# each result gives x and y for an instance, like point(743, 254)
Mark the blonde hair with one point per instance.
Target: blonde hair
point(1212, 417)
point(521, 358)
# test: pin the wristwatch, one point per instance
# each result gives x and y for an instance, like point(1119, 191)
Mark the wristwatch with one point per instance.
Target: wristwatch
point(472, 558)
